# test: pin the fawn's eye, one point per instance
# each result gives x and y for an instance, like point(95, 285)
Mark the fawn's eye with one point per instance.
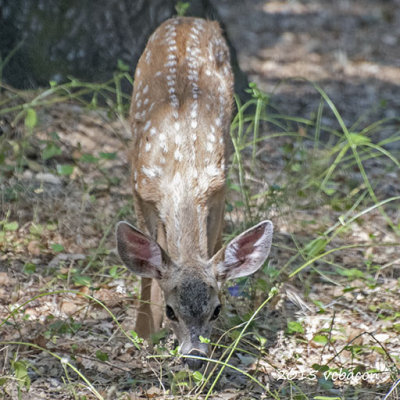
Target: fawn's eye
point(170, 313)
point(216, 312)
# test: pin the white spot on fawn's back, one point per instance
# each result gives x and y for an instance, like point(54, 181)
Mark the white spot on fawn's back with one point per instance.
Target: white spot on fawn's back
point(163, 142)
point(148, 55)
point(178, 155)
point(178, 139)
point(151, 172)
point(147, 125)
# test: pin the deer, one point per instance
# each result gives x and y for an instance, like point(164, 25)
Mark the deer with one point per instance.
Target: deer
point(180, 117)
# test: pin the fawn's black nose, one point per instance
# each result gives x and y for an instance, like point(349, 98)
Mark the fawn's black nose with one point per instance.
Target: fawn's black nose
point(194, 363)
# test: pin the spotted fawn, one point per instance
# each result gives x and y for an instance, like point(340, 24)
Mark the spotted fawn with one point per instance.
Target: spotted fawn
point(180, 117)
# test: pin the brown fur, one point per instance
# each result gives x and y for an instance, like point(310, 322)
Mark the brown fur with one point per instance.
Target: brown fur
point(191, 171)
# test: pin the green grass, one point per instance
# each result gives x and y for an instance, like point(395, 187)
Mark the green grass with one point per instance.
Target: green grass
point(319, 185)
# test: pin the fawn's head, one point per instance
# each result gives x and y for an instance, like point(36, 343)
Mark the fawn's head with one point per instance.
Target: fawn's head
point(191, 289)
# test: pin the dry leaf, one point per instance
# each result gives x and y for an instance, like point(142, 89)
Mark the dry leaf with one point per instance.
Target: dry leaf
point(5, 280)
point(153, 392)
point(34, 248)
point(68, 307)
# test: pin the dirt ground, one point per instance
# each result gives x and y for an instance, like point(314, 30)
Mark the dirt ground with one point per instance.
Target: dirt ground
point(351, 48)
point(349, 320)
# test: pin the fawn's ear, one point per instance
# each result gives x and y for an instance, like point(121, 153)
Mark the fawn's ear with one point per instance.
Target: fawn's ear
point(139, 252)
point(246, 253)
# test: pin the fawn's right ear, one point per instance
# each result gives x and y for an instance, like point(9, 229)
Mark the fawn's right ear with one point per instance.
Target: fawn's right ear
point(139, 252)
point(246, 253)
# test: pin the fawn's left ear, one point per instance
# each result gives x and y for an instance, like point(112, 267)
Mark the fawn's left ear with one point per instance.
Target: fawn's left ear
point(245, 254)
point(139, 252)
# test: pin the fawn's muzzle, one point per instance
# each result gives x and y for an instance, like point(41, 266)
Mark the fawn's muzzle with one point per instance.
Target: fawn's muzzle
point(195, 363)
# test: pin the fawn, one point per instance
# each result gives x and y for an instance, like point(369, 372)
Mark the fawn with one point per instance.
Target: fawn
point(180, 118)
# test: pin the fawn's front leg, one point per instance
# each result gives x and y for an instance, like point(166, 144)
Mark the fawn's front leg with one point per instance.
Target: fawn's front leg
point(150, 313)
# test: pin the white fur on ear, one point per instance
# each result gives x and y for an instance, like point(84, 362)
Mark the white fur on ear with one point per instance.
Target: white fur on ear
point(245, 254)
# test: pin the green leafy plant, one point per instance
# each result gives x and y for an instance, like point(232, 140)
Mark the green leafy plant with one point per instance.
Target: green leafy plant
point(294, 327)
point(20, 369)
point(181, 7)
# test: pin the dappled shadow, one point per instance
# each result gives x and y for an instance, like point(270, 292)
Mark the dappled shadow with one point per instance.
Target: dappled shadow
point(349, 48)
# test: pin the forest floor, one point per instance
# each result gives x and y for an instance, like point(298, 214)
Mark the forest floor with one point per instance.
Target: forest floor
point(67, 305)
point(350, 47)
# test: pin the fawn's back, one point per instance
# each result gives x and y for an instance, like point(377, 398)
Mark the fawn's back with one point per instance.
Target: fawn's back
point(180, 114)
